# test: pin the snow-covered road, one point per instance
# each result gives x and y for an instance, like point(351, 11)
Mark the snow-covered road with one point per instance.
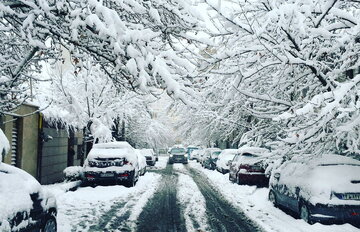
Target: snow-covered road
point(178, 198)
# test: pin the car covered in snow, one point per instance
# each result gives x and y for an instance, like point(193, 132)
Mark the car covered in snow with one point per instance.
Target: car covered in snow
point(224, 159)
point(24, 205)
point(324, 189)
point(249, 165)
point(207, 154)
point(149, 155)
point(189, 150)
point(141, 162)
point(210, 161)
point(178, 155)
point(112, 162)
point(197, 154)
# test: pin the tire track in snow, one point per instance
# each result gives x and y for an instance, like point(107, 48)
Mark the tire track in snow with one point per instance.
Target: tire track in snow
point(193, 204)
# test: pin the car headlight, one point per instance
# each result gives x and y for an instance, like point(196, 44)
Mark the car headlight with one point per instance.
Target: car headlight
point(171, 155)
point(186, 155)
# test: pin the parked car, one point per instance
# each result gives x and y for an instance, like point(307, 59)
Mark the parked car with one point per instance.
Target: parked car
point(207, 153)
point(324, 189)
point(197, 154)
point(149, 155)
point(190, 150)
point(178, 155)
point(248, 166)
point(112, 162)
point(141, 162)
point(24, 205)
point(210, 161)
point(224, 159)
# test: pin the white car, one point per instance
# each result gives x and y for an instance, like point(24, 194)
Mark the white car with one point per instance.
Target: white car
point(141, 162)
point(112, 162)
point(323, 189)
point(149, 155)
point(207, 153)
point(222, 164)
point(24, 205)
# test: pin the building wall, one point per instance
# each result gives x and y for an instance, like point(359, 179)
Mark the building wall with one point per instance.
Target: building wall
point(27, 146)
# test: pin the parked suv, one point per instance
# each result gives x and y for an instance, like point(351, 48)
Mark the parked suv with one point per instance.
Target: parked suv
point(178, 155)
point(24, 205)
point(112, 162)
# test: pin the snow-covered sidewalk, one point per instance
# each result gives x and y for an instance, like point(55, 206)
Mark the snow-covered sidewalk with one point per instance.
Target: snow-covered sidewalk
point(253, 201)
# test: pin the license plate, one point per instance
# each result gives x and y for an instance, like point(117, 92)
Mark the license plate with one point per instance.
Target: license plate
point(351, 196)
point(107, 175)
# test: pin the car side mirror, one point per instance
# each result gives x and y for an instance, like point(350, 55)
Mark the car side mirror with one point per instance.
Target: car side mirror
point(277, 175)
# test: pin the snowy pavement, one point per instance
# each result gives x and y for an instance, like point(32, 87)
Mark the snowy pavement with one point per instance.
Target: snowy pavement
point(253, 201)
point(105, 208)
point(176, 198)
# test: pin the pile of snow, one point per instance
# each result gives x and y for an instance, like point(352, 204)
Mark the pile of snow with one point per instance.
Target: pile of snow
point(161, 163)
point(254, 203)
point(73, 173)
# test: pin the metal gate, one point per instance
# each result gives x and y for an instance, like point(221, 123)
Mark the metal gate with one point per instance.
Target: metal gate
point(14, 143)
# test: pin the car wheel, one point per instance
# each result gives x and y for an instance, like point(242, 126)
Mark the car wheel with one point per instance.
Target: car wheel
point(130, 183)
point(231, 179)
point(272, 198)
point(50, 224)
point(305, 213)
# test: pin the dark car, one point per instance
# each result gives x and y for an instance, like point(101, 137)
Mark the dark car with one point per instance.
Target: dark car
point(178, 155)
point(324, 189)
point(24, 205)
point(248, 167)
point(210, 161)
point(114, 162)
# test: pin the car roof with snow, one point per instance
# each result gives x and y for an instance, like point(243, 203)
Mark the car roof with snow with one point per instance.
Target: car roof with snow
point(227, 152)
point(113, 150)
point(147, 152)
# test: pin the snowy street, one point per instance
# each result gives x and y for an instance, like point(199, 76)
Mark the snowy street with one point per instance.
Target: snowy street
point(177, 197)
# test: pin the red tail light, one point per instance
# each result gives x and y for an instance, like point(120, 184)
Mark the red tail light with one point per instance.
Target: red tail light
point(124, 174)
point(355, 214)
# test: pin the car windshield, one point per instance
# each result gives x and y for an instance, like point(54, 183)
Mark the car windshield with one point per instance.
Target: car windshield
point(177, 150)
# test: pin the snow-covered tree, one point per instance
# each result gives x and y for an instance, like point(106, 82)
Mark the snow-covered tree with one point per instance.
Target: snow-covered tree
point(280, 58)
point(133, 41)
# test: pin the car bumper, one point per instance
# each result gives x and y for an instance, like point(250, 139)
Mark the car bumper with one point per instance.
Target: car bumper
point(335, 213)
point(95, 177)
point(178, 159)
point(254, 178)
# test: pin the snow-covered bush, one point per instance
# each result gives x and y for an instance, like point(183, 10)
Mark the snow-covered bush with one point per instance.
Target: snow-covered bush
point(73, 173)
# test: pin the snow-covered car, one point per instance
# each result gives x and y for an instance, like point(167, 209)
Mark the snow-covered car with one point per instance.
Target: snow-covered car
point(190, 150)
point(324, 189)
point(24, 205)
point(210, 161)
point(149, 155)
point(249, 165)
point(141, 162)
point(178, 155)
point(207, 153)
point(197, 154)
point(112, 162)
point(224, 159)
